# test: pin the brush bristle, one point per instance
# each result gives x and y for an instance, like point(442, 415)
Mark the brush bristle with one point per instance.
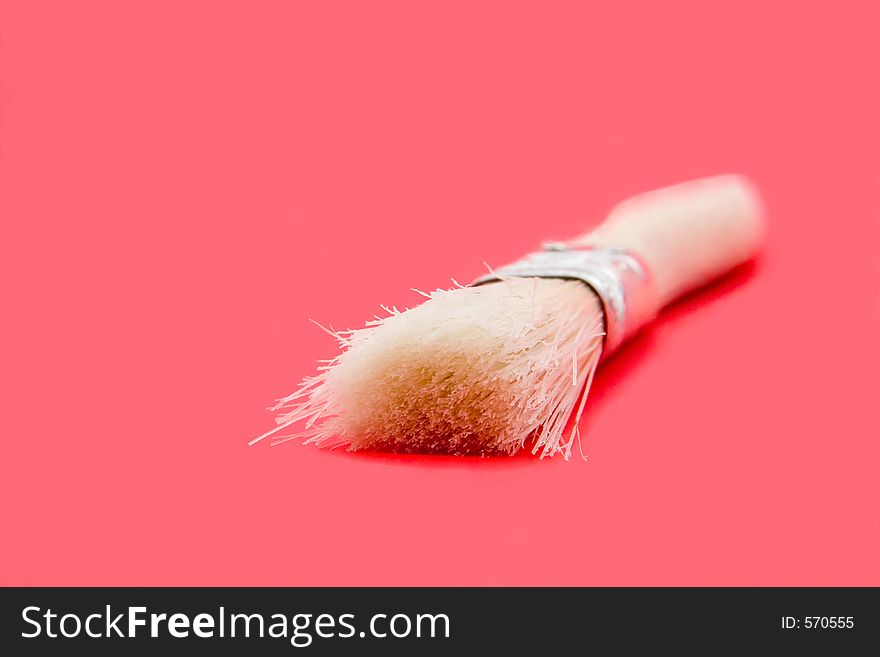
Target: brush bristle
point(472, 370)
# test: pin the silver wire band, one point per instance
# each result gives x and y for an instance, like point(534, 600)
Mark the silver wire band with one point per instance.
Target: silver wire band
point(620, 279)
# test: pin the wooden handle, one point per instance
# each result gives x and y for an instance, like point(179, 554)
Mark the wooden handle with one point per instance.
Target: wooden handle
point(687, 234)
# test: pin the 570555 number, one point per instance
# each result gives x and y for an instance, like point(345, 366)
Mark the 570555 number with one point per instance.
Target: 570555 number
point(818, 622)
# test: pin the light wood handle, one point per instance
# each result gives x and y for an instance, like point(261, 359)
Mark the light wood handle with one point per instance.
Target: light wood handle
point(687, 234)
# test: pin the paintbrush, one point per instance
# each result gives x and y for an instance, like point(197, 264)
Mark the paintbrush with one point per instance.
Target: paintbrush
point(507, 362)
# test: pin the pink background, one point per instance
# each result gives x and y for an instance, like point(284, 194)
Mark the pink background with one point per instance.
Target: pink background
point(184, 184)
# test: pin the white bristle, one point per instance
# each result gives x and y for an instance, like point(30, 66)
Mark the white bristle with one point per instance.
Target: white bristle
point(472, 370)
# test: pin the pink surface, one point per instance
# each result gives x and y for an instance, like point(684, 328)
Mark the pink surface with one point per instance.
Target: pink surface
point(184, 185)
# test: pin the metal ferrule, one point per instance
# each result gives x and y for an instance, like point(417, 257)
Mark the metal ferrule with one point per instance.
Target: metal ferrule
point(620, 279)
